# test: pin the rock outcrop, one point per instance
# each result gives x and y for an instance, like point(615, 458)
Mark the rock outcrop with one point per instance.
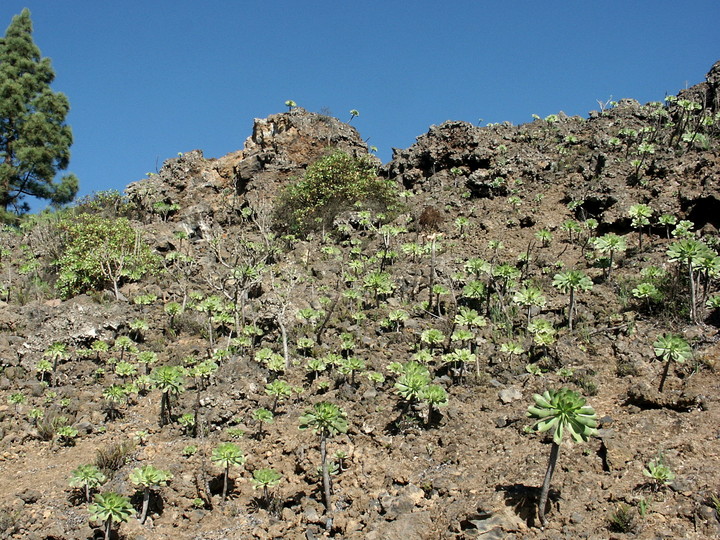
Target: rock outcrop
point(600, 166)
point(281, 147)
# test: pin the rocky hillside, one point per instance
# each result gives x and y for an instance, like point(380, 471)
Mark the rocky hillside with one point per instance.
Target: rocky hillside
point(568, 252)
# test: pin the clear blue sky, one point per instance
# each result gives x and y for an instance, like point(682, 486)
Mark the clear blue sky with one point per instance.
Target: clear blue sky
point(147, 79)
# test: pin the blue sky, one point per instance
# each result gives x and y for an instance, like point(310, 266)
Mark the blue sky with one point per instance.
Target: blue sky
point(147, 79)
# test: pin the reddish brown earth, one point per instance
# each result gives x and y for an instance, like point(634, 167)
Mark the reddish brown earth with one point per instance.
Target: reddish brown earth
point(474, 471)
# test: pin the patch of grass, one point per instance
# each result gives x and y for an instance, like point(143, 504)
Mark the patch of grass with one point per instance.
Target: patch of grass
point(9, 521)
point(626, 368)
point(430, 219)
point(48, 427)
point(111, 458)
point(715, 503)
point(588, 384)
point(622, 520)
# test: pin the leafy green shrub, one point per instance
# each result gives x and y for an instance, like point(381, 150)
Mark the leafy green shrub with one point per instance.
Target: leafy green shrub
point(99, 252)
point(433, 337)
point(225, 455)
point(165, 209)
point(569, 282)
point(265, 479)
point(109, 203)
point(108, 508)
point(87, 477)
point(144, 299)
point(48, 427)
point(262, 416)
point(189, 450)
point(148, 478)
point(699, 260)
point(330, 185)
point(187, 421)
point(66, 435)
point(560, 411)
point(170, 381)
point(411, 383)
point(671, 348)
point(327, 420)
point(114, 396)
point(379, 283)
point(659, 474)
point(435, 396)
point(278, 389)
point(17, 399)
point(314, 366)
point(611, 244)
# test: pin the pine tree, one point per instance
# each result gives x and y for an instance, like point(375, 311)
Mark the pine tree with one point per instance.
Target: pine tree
point(34, 140)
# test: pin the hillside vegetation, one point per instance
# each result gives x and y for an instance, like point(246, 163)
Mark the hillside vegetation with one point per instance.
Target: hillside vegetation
point(298, 341)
